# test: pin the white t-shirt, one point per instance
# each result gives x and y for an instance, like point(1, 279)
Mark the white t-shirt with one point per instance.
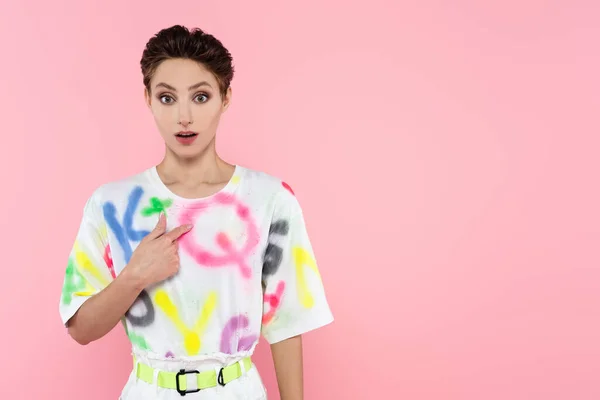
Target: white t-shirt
point(246, 268)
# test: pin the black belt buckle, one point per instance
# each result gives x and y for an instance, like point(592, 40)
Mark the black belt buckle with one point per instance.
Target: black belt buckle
point(220, 379)
point(181, 373)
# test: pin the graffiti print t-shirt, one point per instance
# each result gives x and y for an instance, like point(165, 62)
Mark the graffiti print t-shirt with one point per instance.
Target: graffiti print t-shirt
point(246, 268)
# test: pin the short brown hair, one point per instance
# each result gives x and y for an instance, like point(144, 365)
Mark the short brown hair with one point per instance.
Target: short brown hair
point(180, 42)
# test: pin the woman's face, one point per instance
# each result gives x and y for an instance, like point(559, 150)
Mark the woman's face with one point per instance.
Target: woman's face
point(186, 103)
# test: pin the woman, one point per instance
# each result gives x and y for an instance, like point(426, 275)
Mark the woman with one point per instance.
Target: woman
point(195, 256)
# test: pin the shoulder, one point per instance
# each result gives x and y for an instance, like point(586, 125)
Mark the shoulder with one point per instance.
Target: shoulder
point(270, 184)
point(273, 188)
point(114, 189)
point(267, 181)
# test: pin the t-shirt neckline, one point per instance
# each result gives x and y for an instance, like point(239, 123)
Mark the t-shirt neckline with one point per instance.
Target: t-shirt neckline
point(158, 183)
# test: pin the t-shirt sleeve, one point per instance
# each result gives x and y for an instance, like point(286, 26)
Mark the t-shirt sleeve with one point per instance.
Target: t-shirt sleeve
point(89, 266)
point(294, 294)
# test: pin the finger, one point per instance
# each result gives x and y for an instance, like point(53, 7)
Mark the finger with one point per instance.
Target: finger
point(160, 227)
point(177, 232)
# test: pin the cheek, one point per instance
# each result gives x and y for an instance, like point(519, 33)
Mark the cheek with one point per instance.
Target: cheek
point(162, 115)
point(206, 116)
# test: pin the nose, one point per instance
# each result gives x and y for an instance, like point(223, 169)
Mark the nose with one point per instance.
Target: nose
point(185, 115)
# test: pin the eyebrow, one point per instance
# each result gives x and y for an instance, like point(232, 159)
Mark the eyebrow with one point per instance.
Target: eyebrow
point(196, 86)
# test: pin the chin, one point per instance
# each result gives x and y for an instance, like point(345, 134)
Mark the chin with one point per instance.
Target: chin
point(187, 152)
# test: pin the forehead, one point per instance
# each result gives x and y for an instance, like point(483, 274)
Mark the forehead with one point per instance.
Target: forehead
point(181, 73)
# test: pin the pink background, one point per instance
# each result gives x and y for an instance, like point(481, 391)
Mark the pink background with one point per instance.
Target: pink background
point(446, 154)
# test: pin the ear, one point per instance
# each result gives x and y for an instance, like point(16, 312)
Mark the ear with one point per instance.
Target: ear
point(147, 98)
point(227, 99)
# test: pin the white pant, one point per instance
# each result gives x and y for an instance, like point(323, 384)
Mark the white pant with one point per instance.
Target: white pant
point(248, 387)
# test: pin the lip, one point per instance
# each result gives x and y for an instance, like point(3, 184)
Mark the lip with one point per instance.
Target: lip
point(186, 140)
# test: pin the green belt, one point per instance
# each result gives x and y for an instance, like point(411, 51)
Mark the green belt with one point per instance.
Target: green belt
point(205, 379)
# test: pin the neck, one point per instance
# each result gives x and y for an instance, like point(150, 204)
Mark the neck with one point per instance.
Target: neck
point(206, 167)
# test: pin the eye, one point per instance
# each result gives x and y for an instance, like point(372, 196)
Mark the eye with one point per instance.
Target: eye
point(166, 99)
point(201, 98)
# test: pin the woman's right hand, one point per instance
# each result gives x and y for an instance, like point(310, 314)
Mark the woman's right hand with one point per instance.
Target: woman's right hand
point(157, 258)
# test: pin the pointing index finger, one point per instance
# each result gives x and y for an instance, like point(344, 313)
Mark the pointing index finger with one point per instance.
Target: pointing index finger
point(178, 231)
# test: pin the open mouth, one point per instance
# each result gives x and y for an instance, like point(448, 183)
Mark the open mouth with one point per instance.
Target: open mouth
point(186, 138)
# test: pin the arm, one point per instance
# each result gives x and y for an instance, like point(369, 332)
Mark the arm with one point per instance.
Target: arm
point(103, 311)
point(154, 260)
point(294, 301)
point(287, 358)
